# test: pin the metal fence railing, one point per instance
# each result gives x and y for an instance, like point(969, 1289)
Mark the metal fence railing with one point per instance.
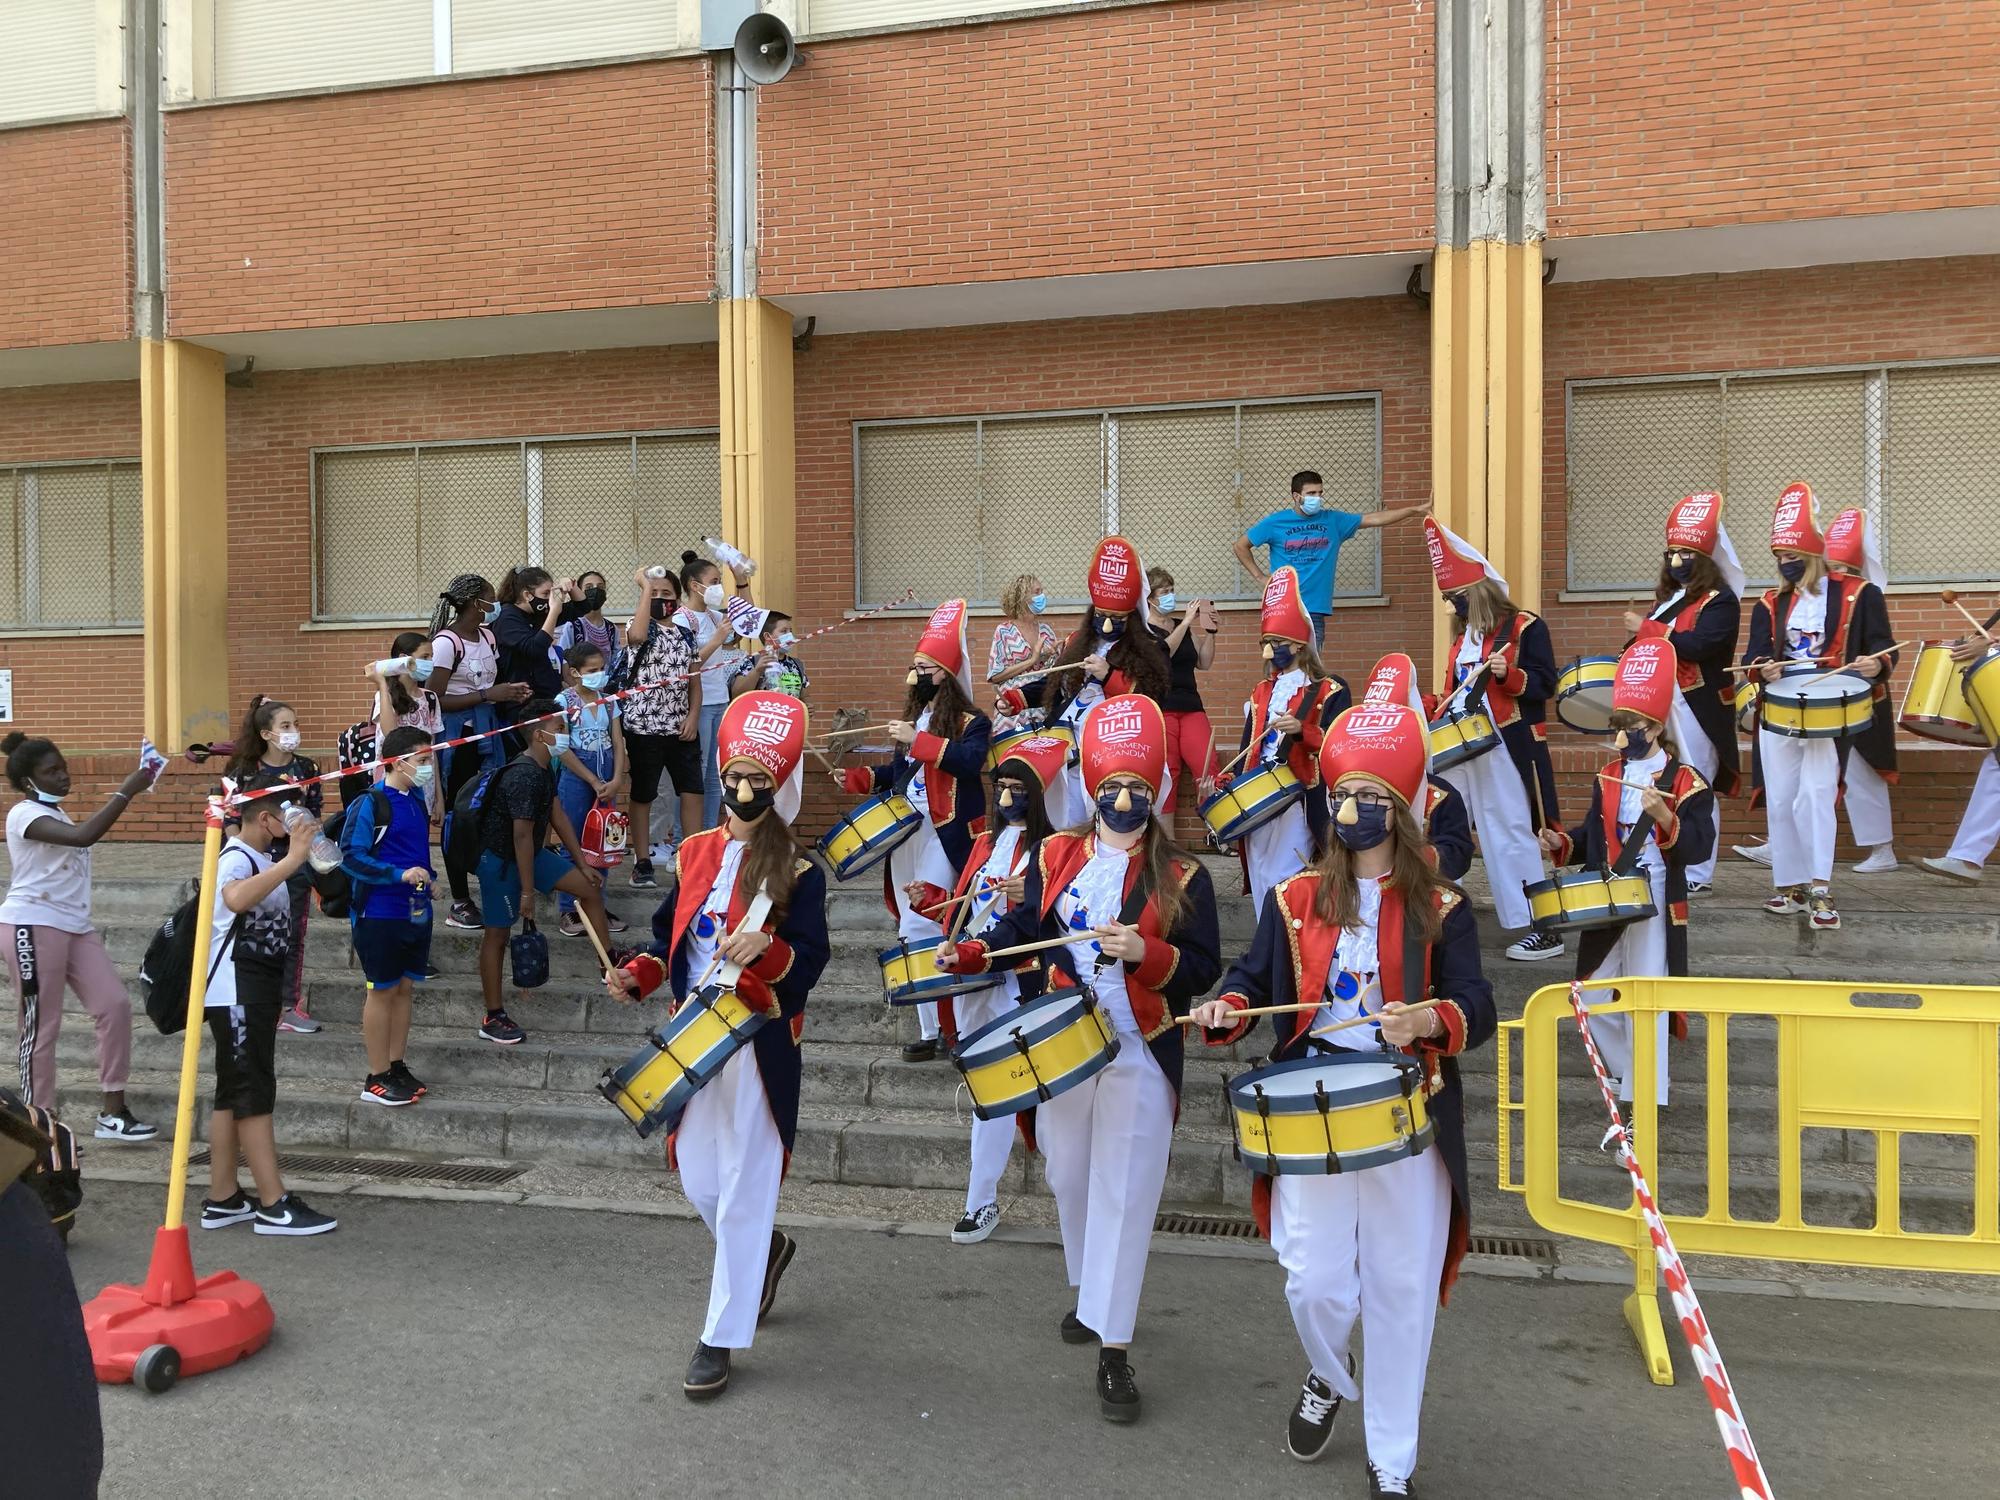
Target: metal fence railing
point(71, 546)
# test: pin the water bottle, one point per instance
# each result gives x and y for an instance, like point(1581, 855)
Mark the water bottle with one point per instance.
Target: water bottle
point(392, 666)
point(324, 855)
point(656, 571)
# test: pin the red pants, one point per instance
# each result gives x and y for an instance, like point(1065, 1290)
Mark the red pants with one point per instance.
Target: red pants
point(1190, 745)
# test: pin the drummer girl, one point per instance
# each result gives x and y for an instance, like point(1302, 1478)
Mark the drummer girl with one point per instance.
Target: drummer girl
point(1815, 619)
point(1501, 660)
point(1868, 759)
point(1443, 822)
point(1287, 714)
point(1369, 929)
point(1700, 613)
point(940, 756)
point(734, 1140)
point(1140, 919)
point(1648, 783)
point(994, 879)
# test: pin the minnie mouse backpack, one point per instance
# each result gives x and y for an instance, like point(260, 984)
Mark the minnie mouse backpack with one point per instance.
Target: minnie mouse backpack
point(604, 836)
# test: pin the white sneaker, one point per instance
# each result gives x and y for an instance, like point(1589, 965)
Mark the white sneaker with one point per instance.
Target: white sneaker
point(976, 1226)
point(1880, 862)
point(1757, 853)
point(124, 1126)
point(1962, 870)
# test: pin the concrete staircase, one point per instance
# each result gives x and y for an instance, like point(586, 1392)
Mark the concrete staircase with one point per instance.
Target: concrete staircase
point(870, 1119)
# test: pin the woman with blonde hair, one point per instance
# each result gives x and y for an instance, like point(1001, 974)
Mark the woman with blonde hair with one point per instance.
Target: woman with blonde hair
point(1024, 642)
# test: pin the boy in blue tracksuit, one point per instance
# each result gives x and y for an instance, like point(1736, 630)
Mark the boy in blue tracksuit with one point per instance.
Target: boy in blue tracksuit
point(385, 848)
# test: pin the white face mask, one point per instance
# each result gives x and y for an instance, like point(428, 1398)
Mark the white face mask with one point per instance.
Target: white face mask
point(51, 798)
point(712, 596)
point(288, 739)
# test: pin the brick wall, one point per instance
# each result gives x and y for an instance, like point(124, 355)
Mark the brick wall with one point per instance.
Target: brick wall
point(65, 240)
point(539, 193)
point(1663, 115)
point(1182, 134)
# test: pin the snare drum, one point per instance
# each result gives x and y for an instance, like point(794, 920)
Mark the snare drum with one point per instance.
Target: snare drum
point(1250, 801)
point(1934, 704)
point(1003, 745)
point(1034, 1052)
point(1583, 694)
point(1459, 734)
point(866, 834)
point(689, 1048)
point(1578, 900)
point(1814, 703)
point(1746, 706)
point(1337, 1112)
point(910, 975)
point(1982, 691)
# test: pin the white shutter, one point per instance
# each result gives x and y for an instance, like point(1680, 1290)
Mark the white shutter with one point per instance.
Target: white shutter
point(849, 15)
point(262, 46)
point(522, 33)
point(48, 58)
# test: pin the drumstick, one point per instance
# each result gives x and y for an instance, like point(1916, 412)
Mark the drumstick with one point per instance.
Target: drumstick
point(997, 890)
point(1037, 947)
point(1261, 1010)
point(1637, 786)
point(1950, 596)
point(1869, 656)
point(1374, 1018)
point(834, 734)
point(1758, 666)
point(823, 760)
point(598, 943)
point(1230, 764)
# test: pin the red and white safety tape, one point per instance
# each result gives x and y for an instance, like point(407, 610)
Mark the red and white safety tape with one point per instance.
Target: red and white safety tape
point(1743, 1461)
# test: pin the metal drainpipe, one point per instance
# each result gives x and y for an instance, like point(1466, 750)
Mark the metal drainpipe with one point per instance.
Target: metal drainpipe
point(142, 112)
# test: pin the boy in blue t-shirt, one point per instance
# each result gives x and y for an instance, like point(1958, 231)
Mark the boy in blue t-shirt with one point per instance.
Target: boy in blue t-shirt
point(388, 863)
point(1307, 538)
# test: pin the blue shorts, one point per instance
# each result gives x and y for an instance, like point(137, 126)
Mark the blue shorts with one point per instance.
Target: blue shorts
point(500, 884)
point(391, 950)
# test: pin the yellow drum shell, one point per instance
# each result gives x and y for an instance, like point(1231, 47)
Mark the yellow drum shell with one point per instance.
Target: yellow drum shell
point(1934, 705)
point(1578, 900)
point(1376, 1113)
point(1250, 801)
point(1583, 694)
point(684, 1053)
point(1982, 693)
point(1067, 1042)
point(1817, 704)
point(1458, 738)
point(1746, 706)
point(868, 833)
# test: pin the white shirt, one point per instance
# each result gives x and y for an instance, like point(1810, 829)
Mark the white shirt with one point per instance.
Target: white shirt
point(1284, 693)
point(714, 907)
point(1471, 652)
point(1666, 609)
point(989, 904)
point(706, 624)
point(1805, 626)
point(265, 935)
point(1638, 775)
point(1093, 898)
point(916, 795)
point(50, 884)
point(1355, 954)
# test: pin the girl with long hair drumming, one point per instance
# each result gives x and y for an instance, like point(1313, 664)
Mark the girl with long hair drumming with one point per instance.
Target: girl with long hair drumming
point(1139, 919)
point(1370, 931)
point(940, 755)
point(734, 1140)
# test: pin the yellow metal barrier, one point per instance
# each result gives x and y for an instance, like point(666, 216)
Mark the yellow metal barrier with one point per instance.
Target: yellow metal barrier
point(1917, 1060)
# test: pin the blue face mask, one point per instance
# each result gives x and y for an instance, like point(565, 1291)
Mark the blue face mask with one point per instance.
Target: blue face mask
point(1680, 572)
point(1792, 569)
point(423, 773)
point(1009, 806)
point(1132, 819)
point(420, 668)
point(786, 640)
point(595, 680)
point(1312, 505)
point(1638, 745)
point(1369, 828)
point(492, 613)
point(1109, 628)
point(51, 798)
point(1037, 604)
point(1459, 605)
point(1281, 656)
point(1166, 602)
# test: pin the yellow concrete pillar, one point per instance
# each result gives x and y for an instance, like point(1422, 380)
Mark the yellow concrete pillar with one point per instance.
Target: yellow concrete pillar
point(184, 471)
point(759, 463)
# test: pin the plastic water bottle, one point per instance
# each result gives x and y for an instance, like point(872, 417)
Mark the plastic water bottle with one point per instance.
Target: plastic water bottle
point(324, 855)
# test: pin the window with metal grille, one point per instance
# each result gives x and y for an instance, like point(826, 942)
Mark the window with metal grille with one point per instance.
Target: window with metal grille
point(393, 524)
point(71, 550)
point(1916, 444)
point(957, 506)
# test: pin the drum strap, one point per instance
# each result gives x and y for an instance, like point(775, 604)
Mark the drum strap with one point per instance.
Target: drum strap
point(1628, 857)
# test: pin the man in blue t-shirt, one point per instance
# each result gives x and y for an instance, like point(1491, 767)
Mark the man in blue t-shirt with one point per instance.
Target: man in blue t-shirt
point(1307, 538)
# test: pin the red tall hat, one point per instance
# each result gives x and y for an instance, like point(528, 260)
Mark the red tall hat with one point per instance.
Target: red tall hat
point(767, 730)
point(1851, 543)
point(1394, 680)
point(1043, 757)
point(1117, 582)
point(1124, 736)
point(1285, 617)
point(1793, 527)
point(1455, 562)
point(1389, 743)
point(1646, 677)
point(1696, 522)
point(944, 642)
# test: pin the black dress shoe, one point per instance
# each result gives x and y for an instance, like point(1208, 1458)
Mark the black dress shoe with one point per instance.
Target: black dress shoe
point(708, 1374)
point(923, 1051)
point(1117, 1396)
point(783, 1248)
point(1073, 1331)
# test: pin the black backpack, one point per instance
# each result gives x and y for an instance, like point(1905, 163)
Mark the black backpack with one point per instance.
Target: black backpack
point(168, 967)
point(340, 893)
point(461, 823)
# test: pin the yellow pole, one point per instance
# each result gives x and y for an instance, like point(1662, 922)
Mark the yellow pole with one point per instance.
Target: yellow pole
point(204, 933)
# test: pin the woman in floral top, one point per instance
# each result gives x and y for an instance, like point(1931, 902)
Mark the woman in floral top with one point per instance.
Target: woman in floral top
point(662, 724)
point(1022, 643)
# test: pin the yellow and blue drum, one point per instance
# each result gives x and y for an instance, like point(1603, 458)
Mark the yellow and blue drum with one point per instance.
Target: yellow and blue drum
point(683, 1053)
point(1982, 692)
point(1934, 704)
point(910, 974)
point(1809, 702)
point(1337, 1112)
point(1250, 801)
point(1583, 693)
point(1037, 1050)
point(1746, 706)
point(1578, 900)
point(867, 833)
point(1459, 734)
point(1003, 745)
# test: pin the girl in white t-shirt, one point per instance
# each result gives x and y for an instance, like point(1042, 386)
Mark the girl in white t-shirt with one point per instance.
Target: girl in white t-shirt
point(53, 943)
point(706, 588)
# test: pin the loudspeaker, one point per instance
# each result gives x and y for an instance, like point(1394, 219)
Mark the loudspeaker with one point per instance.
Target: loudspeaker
point(765, 51)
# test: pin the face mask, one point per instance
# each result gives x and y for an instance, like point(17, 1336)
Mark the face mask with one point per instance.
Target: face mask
point(712, 596)
point(423, 773)
point(593, 599)
point(1680, 572)
point(1460, 605)
point(1369, 828)
point(561, 744)
point(1312, 505)
point(1281, 656)
point(1792, 569)
point(1166, 602)
point(595, 680)
point(288, 739)
point(1132, 819)
point(420, 669)
point(1010, 806)
point(661, 608)
point(1109, 628)
point(923, 689)
point(1037, 604)
point(759, 802)
point(41, 796)
point(1638, 744)
point(538, 607)
point(786, 640)
point(492, 613)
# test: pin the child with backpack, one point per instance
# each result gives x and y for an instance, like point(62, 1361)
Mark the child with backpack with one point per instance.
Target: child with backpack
point(385, 848)
point(593, 768)
point(268, 745)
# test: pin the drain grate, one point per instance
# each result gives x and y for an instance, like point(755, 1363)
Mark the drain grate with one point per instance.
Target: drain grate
point(364, 1166)
point(1514, 1247)
point(1213, 1225)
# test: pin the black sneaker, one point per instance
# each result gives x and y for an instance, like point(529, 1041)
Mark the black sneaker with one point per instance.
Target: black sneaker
point(976, 1225)
point(463, 914)
point(708, 1374)
point(783, 1248)
point(1536, 946)
point(292, 1215)
point(499, 1027)
point(1073, 1331)
point(1311, 1427)
point(921, 1051)
point(1117, 1396)
point(417, 1087)
point(387, 1088)
point(1380, 1484)
point(642, 878)
point(237, 1208)
point(432, 971)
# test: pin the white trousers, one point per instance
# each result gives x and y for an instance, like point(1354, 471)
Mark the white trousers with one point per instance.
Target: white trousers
point(1867, 799)
point(1979, 829)
point(1368, 1244)
point(992, 1140)
point(907, 863)
point(1640, 952)
point(732, 1163)
point(1699, 752)
point(1497, 803)
point(1104, 1145)
point(1801, 779)
point(1278, 851)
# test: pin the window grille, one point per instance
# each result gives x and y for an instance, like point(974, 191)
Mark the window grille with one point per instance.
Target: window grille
point(71, 546)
